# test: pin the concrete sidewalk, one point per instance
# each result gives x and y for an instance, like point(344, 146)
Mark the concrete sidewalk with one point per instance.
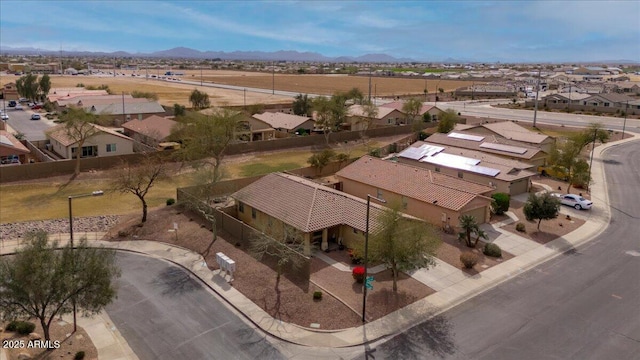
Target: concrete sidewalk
point(451, 288)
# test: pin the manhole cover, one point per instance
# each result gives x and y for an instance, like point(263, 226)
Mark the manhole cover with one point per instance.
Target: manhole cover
point(632, 253)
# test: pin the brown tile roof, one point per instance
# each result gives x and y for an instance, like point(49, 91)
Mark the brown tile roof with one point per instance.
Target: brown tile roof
point(399, 104)
point(443, 190)
point(88, 100)
point(512, 131)
point(59, 134)
point(443, 139)
point(306, 205)
point(9, 141)
point(358, 110)
point(155, 127)
point(510, 170)
point(280, 120)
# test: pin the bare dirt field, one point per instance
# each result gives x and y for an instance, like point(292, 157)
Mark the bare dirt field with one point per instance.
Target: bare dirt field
point(58, 330)
point(171, 92)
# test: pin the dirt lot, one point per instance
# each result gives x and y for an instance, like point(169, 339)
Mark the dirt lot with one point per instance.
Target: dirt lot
point(69, 346)
point(170, 93)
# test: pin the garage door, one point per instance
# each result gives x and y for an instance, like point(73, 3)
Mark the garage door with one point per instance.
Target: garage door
point(478, 213)
point(518, 187)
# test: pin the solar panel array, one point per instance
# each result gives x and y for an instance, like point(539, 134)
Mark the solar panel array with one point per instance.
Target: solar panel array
point(460, 163)
point(465, 136)
point(502, 147)
point(417, 153)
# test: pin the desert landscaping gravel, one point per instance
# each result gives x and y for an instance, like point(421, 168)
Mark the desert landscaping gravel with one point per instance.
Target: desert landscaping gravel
point(55, 226)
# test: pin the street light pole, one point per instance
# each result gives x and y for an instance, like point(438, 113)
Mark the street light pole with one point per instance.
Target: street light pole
point(366, 256)
point(593, 147)
point(624, 125)
point(535, 110)
point(71, 197)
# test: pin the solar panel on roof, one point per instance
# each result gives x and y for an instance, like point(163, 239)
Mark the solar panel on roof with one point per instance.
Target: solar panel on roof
point(417, 153)
point(502, 147)
point(460, 163)
point(465, 136)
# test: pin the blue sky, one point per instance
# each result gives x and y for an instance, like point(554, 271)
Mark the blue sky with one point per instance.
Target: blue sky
point(422, 30)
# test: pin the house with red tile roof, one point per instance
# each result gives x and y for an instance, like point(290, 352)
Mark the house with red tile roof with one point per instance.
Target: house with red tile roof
point(434, 197)
point(320, 213)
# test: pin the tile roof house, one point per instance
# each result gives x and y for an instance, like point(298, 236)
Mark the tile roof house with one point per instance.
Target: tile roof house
point(11, 149)
point(511, 131)
point(386, 116)
point(491, 144)
point(134, 109)
point(503, 175)
point(434, 111)
point(435, 197)
point(315, 210)
point(151, 131)
point(62, 94)
point(106, 142)
point(285, 122)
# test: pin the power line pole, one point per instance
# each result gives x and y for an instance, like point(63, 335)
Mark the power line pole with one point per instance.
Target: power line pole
point(535, 110)
point(624, 125)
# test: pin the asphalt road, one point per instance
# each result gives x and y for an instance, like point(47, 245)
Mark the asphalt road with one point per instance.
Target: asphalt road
point(584, 304)
point(484, 109)
point(165, 314)
point(20, 120)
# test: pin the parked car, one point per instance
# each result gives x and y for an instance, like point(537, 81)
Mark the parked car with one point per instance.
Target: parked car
point(23, 100)
point(18, 107)
point(35, 117)
point(12, 103)
point(35, 106)
point(575, 201)
point(4, 116)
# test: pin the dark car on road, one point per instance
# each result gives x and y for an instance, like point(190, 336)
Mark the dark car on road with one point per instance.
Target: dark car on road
point(12, 103)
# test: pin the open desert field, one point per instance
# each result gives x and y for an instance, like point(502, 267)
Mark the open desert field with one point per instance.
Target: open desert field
point(176, 92)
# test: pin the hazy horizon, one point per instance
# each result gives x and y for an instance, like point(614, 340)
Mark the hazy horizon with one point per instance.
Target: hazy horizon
point(533, 31)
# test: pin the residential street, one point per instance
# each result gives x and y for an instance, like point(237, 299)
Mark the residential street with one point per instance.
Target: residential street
point(581, 305)
point(165, 314)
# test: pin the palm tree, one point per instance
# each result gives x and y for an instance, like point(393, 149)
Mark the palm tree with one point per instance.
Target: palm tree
point(470, 227)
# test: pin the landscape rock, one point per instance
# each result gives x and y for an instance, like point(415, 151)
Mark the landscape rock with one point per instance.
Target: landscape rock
point(24, 356)
point(34, 336)
point(55, 226)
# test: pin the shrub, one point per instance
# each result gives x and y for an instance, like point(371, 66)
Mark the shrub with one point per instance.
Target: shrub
point(11, 326)
point(358, 274)
point(468, 259)
point(502, 202)
point(375, 153)
point(520, 227)
point(492, 250)
point(171, 201)
point(317, 295)
point(79, 355)
point(122, 233)
point(25, 327)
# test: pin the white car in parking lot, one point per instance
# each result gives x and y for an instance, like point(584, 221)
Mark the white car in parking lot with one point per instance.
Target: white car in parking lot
point(575, 201)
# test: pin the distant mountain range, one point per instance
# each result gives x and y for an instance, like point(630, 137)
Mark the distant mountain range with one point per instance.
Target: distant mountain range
point(282, 55)
point(187, 53)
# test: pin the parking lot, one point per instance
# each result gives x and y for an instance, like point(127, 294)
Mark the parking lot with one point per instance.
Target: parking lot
point(20, 121)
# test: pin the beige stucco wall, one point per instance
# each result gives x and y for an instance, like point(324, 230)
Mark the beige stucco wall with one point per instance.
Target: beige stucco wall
point(431, 213)
point(123, 146)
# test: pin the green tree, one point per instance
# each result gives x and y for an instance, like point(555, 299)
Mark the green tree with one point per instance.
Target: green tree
point(370, 112)
point(330, 114)
point(448, 121)
point(541, 207)
point(45, 86)
point(139, 179)
point(28, 87)
point(412, 108)
point(470, 228)
point(354, 94)
point(199, 99)
point(206, 138)
point(42, 282)
point(302, 105)
point(179, 110)
point(320, 159)
point(79, 127)
point(402, 244)
point(580, 174)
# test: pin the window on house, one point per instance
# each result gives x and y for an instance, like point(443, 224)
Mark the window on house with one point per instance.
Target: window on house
point(606, 104)
point(87, 151)
point(111, 147)
point(269, 222)
point(379, 194)
point(253, 213)
point(241, 207)
point(460, 174)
